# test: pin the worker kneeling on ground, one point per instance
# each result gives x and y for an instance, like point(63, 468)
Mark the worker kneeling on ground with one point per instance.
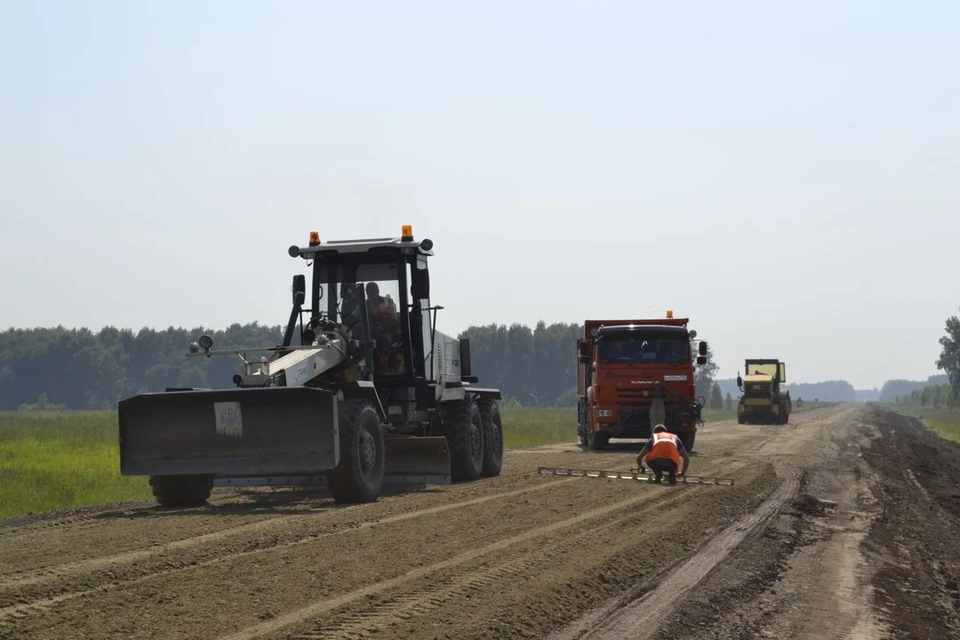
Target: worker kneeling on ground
point(663, 452)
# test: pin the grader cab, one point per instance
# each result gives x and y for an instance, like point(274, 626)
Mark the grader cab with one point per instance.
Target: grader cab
point(362, 392)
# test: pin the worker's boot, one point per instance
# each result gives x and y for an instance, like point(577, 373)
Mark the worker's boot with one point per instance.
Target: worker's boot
point(672, 479)
point(658, 476)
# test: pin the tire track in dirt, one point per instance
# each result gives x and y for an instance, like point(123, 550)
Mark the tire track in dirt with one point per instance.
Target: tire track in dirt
point(32, 540)
point(640, 613)
point(231, 500)
point(323, 607)
point(56, 572)
point(422, 600)
point(88, 516)
point(12, 588)
point(52, 573)
point(640, 618)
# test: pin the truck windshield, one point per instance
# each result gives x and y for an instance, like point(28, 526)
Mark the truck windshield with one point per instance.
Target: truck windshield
point(762, 369)
point(639, 349)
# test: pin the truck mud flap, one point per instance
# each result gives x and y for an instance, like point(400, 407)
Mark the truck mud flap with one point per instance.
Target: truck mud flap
point(272, 431)
point(411, 460)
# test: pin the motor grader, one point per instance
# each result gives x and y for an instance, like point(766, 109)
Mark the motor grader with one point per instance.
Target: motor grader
point(763, 401)
point(362, 392)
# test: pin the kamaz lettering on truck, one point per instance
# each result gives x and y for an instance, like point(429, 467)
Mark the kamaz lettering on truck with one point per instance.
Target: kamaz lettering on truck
point(635, 374)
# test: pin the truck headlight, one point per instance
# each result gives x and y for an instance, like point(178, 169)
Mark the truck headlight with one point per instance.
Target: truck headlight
point(604, 413)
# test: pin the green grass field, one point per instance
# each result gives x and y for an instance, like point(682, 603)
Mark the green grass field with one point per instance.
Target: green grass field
point(55, 460)
point(944, 421)
point(530, 426)
point(63, 459)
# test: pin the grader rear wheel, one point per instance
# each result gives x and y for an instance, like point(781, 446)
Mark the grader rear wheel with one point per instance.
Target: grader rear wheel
point(464, 430)
point(492, 437)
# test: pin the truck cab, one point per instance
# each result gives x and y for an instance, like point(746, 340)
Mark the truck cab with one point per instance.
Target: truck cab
point(635, 374)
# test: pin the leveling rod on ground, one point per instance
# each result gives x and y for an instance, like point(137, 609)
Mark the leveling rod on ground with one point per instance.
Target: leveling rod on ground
point(633, 474)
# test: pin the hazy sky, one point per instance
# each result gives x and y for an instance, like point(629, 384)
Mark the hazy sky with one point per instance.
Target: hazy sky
point(785, 175)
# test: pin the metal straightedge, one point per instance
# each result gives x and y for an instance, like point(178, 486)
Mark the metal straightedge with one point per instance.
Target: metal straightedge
point(633, 474)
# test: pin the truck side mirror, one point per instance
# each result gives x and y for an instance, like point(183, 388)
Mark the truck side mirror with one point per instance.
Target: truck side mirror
point(739, 382)
point(701, 360)
point(703, 350)
point(299, 288)
point(583, 350)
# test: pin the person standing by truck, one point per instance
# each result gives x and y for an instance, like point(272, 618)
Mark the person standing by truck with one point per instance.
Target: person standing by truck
point(662, 453)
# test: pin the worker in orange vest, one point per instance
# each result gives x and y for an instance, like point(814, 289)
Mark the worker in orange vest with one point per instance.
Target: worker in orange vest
point(663, 452)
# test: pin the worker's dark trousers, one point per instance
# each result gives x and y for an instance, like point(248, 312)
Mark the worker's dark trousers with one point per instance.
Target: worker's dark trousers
point(661, 466)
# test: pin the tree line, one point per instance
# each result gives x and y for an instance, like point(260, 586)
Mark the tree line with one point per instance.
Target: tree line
point(83, 369)
point(940, 390)
point(50, 368)
point(936, 396)
point(949, 360)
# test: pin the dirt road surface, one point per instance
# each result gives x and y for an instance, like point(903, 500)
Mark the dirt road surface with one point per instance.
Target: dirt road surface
point(839, 525)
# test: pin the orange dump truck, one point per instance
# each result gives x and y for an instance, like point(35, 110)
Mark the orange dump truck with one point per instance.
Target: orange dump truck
point(634, 374)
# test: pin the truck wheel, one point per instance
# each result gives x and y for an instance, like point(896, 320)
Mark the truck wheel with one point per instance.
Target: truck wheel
point(181, 491)
point(581, 424)
point(688, 438)
point(464, 430)
point(359, 475)
point(492, 437)
point(597, 441)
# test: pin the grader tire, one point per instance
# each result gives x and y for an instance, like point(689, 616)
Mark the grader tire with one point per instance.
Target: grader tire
point(181, 491)
point(492, 437)
point(359, 476)
point(687, 438)
point(464, 431)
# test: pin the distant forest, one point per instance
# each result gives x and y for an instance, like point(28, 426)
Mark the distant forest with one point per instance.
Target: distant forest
point(827, 391)
point(81, 369)
point(843, 391)
point(534, 367)
point(53, 368)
